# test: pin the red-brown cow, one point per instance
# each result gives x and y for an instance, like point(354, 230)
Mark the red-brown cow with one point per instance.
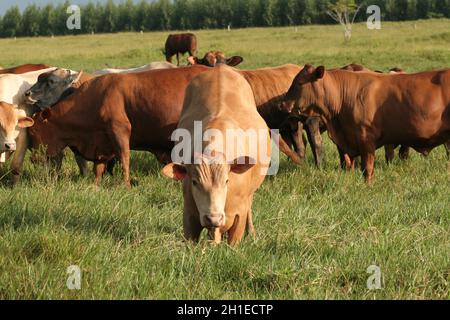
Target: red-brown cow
point(180, 43)
point(365, 111)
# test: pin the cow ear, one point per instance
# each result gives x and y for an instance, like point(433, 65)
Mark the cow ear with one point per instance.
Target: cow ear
point(46, 114)
point(242, 164)
point(234, 61)
point(25, 122)
point(174, 171)
point(192, 60)
point(320, 72)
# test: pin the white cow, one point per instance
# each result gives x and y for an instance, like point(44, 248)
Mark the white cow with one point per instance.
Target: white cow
point(14, 86)
point(147, 67)
point(12, 92)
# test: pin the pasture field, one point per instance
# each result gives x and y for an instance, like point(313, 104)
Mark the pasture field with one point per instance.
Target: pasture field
point(317, 230)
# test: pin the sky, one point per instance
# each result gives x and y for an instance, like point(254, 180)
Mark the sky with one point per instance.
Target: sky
point(5, 4)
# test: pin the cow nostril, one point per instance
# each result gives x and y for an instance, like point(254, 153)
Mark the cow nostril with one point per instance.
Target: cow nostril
point(28, 93)
point(10, 146)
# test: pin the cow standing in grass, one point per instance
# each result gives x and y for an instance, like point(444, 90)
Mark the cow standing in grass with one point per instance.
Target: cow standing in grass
point(180, 43)
point(219, 184)
point(365, 111)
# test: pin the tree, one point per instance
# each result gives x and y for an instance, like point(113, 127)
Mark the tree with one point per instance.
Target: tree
point(344, 12)
point(11, 22)
point(47, 20)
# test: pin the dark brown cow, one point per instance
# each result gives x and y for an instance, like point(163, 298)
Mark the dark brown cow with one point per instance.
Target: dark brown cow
point(180, 43)
point(365, 111)
point(24, 68)
point(107, 116)
point(213, 58)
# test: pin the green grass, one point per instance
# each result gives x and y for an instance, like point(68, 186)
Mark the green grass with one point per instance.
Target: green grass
point(317, 230)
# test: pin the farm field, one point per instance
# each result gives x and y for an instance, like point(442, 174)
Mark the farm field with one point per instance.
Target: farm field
point(317, 230)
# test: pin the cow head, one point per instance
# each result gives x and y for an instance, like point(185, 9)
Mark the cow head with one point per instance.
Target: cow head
point(306, 90)
point(12, 120)
point(50, 87)
point(213, 58)
point(208, 180)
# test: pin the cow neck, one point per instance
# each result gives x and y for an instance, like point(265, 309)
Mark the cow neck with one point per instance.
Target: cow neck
point(337, 93)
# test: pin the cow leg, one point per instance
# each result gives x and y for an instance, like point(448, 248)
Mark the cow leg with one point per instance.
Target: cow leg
point(237, 231)
point(99, 170)
point(299, 139)
point(315, 139)
point(56, 161)
point(82, 165)
point(389, 153)
point(19, 156)
point(122, 134)
point(178, 59)
point(404, 152)
point(368, 163)
point(111, 165)
point(284, 147)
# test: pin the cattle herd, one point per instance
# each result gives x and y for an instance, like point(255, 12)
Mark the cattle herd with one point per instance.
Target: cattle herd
point(104, 115)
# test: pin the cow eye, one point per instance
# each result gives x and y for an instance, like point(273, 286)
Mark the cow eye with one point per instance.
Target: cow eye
point(194, 183)
point(227, 181)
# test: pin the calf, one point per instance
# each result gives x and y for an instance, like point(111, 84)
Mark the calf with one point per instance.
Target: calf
point(180, 43)
point(365, 111)
point(219, 184)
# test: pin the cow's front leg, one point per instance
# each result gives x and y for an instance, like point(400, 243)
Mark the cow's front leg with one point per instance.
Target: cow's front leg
point(368, 163)
point(19, 156)
point(284, 147)
point(82, 165)
point(299, 138)
point(315, 139)
point(389, 153)
point(99, 170)
point(404, 152)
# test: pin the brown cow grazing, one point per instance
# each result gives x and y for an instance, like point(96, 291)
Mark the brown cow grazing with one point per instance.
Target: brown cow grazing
point(213, 58)
point(109, 115)
point(180, 43)
point(365, 111)
point(220, 181)
point(24, 68)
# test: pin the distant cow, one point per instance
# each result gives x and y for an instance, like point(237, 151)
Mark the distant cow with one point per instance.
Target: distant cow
point(218, 185)
point(213, 58)
point(24, 68)
point(365, 111)
point(180, 43)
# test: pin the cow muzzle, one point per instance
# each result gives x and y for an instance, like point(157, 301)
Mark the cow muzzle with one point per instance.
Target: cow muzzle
point(9, 146)
point(214, 220)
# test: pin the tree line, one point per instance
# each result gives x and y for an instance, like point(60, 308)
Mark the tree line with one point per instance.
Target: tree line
point(199, 14)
